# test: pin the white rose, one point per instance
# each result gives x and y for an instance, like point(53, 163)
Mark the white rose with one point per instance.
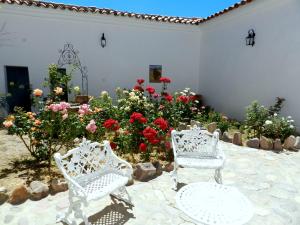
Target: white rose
point(268, 122)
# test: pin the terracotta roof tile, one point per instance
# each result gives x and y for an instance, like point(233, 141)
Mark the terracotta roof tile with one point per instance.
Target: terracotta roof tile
point(160, 18)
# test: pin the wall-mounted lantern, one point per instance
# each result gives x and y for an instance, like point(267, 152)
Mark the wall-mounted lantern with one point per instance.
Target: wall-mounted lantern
point(250, 39)
point(103, 41)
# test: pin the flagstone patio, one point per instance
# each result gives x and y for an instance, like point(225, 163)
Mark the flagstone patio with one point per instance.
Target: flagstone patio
point(271, 182)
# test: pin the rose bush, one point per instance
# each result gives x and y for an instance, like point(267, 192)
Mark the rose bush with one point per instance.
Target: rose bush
point(137, 121)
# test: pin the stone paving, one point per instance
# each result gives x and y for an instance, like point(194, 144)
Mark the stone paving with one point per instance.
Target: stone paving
point(271, 182)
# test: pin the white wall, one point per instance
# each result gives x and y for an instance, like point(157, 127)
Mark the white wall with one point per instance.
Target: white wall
point(132, 45)
point(232, 74)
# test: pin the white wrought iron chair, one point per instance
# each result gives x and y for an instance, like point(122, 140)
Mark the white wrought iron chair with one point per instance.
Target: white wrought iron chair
point(197, 148)
point(92, 171)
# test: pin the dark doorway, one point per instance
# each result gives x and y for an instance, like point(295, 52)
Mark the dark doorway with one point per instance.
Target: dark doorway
point(18, 88)
point(63, 72)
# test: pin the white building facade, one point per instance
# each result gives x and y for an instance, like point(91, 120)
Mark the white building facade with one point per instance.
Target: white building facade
point(210, 56)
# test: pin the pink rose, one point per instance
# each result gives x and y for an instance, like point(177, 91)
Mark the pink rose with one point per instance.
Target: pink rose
point(91, 127)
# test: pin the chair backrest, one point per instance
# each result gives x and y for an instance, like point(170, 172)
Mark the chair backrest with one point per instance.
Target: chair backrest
point(86, 159)
point(195, 143)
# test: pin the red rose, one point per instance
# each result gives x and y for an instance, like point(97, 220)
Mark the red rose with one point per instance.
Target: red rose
point(183, 98)
point(138, 88)
point(143, 147)
point(140, 81)
point(149, 133)
point(165, 80)
point(168, 145)
point(111, 124)
point(161, 123)
point(154, 141)
point(113, 145)
point(137, 117)
point(168, 97)
point(143, 120)
point(150, 90)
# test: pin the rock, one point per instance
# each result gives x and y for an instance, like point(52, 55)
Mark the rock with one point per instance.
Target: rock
point(38, 190)
point(144, 171)
point(188, 127)
point(58, 185)
point(253, 143)
point(195, 123)
point(266, 143)
point(19, 195)
point(130, 182)
point(212, 127)
point(226, 137)
point(158, 167)
point(289, 143)
point(297, 143)
point(278, 145)
point(237, 139)
point(220, 133)
point(181, 126)
point(3, 195)
point(169, 167)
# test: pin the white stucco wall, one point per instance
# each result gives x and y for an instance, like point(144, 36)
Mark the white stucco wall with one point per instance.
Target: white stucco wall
point(37, 34)
point(232, 74)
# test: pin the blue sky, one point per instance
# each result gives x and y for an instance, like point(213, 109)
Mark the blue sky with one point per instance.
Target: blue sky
point(186, 8)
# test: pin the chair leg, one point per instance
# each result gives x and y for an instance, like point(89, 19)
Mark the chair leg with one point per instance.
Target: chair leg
point(79, 213)
point(76, 207)
point(218, 176)
point(174, 177)
point(123, 195)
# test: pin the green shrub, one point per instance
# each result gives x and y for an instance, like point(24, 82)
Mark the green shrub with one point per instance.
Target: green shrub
point(256, 115)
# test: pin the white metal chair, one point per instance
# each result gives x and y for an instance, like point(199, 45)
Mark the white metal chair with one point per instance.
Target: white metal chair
point(197, 148)
point(92, 171)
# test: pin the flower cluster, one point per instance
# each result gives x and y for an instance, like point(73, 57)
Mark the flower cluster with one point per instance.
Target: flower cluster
point(84, 109)
point(137, 117)
point(37, 92)
point(111, 124)
point(62, 106)
point(161, 123)
point(151, 135)
point(91, 127)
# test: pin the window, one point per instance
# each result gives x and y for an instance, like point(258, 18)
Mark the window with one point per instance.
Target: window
point(155, 72)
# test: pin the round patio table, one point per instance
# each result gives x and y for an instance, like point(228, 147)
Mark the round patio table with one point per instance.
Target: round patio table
point(214, 204)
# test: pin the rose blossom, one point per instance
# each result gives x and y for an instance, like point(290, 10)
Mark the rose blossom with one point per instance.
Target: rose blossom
point(8, 123)
point(161, 123)
point(91, 127)
point(65, 116)
point(58, 90)
point(111, 124)
point(37, 92)
point(150, 90)
point(165, 80)
point(140, 81)
point(37, 122)
point(183, 99)
point(84, 109)
point(143, 147)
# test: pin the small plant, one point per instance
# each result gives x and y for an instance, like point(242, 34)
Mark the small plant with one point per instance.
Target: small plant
point(256, 115)
point(278, 127)
point(276, 108)
point(267, 122)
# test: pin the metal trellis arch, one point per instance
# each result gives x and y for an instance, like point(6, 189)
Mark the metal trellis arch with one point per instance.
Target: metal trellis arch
point(69, 56)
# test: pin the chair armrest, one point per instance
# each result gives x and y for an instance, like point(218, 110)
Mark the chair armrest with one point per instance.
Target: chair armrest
point(71, 182)
point(119, 165)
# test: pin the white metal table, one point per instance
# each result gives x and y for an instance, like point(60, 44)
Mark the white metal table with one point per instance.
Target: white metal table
point(214, 204)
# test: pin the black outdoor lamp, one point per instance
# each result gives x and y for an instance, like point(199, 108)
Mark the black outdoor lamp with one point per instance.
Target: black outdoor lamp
point(250, 39)
point(103, 41)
